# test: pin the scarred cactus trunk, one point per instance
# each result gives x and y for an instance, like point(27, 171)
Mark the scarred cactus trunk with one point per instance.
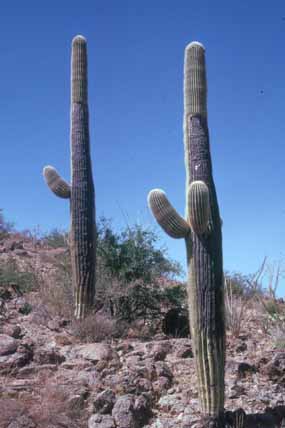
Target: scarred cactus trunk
point(81, 191)
point(202, 233)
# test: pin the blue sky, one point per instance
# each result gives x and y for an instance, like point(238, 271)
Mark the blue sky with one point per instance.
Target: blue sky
point(136, 51)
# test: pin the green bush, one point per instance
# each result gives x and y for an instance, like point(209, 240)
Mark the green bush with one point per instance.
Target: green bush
point(134, 277)
point(132, 254)
point(12, 277)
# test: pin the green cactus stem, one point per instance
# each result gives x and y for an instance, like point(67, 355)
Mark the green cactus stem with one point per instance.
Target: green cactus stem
point(57, 185)
point(81, 191)
point(202, 233)
point(199, 213)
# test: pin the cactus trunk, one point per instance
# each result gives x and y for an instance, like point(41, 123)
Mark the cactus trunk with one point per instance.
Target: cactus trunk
point(203, 239)
point(205, 281)
point(81, 191)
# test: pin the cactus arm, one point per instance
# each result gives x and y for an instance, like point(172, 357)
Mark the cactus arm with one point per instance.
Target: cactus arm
point(56, 184)
point(166, 216)
point(199, 210)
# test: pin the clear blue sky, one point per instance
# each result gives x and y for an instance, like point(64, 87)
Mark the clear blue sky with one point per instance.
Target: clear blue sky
point(136, 51)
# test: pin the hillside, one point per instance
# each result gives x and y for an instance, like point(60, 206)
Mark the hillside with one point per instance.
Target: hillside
point(53, 375)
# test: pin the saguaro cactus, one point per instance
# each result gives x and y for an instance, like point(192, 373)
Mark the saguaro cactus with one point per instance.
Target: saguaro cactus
point(81, 190)
point(202, 233)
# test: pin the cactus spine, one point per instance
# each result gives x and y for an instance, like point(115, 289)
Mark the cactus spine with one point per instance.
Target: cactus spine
point(81, 190)
point(202, 233)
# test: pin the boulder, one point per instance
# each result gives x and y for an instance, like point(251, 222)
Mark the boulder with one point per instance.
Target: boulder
point(8, 345)
point(101, 421)
point(104, 402)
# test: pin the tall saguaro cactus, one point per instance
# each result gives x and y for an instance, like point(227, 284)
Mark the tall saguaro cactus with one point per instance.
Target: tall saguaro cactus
point(202, 233)
point(81, 190)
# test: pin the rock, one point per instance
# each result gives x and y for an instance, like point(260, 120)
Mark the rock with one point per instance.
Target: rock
point(22, 253)
point(96, 352)
point(77, 398)
point(12, 330)
point(10, 409)
point(275, 369)
point(5, 293)
point(53, 325)
point(104, 402)
point(14, 245)
point(171, 404)
point(159, 350)
point(244, 369)
point(163, 370)
point(40, 315)
point(183, 350)
point(236, 390)
point(143, 385)
point(79, 364)
point(133, 361)
point(22, 422)
point(12, 362)
point(161, 385)
point(8, 345)
point(124, 412)
point(187, 421)
point(48, 356)
point(241, 347)
point(124, 348)
point(131, 412)
point(18, 359)
point(33, 369)
point(63, 340)
point(101, 421)
point(142, 409)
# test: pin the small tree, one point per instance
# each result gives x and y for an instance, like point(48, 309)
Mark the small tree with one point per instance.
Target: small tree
point(132, 254)
point(132, 273)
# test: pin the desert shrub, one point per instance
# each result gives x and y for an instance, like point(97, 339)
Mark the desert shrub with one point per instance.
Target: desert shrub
point(273, 308)
point(55, 287)
point(56, 239)
point(11, 276)
point(235, 307)
point(132, 254)
point(26, 309)
point(137, 301)
point(55, 404)
point(175, 295)
point(94, 328)
point(134, 277)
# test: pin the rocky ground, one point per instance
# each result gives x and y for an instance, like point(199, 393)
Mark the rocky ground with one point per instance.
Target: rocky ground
point(49, 379)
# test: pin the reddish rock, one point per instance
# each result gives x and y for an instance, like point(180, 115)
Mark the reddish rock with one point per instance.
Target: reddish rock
point(8, 345)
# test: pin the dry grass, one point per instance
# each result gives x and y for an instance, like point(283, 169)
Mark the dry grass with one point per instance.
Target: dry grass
point(94, 328)
point(55, 288)
point(235, 310)
point(51, 405)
